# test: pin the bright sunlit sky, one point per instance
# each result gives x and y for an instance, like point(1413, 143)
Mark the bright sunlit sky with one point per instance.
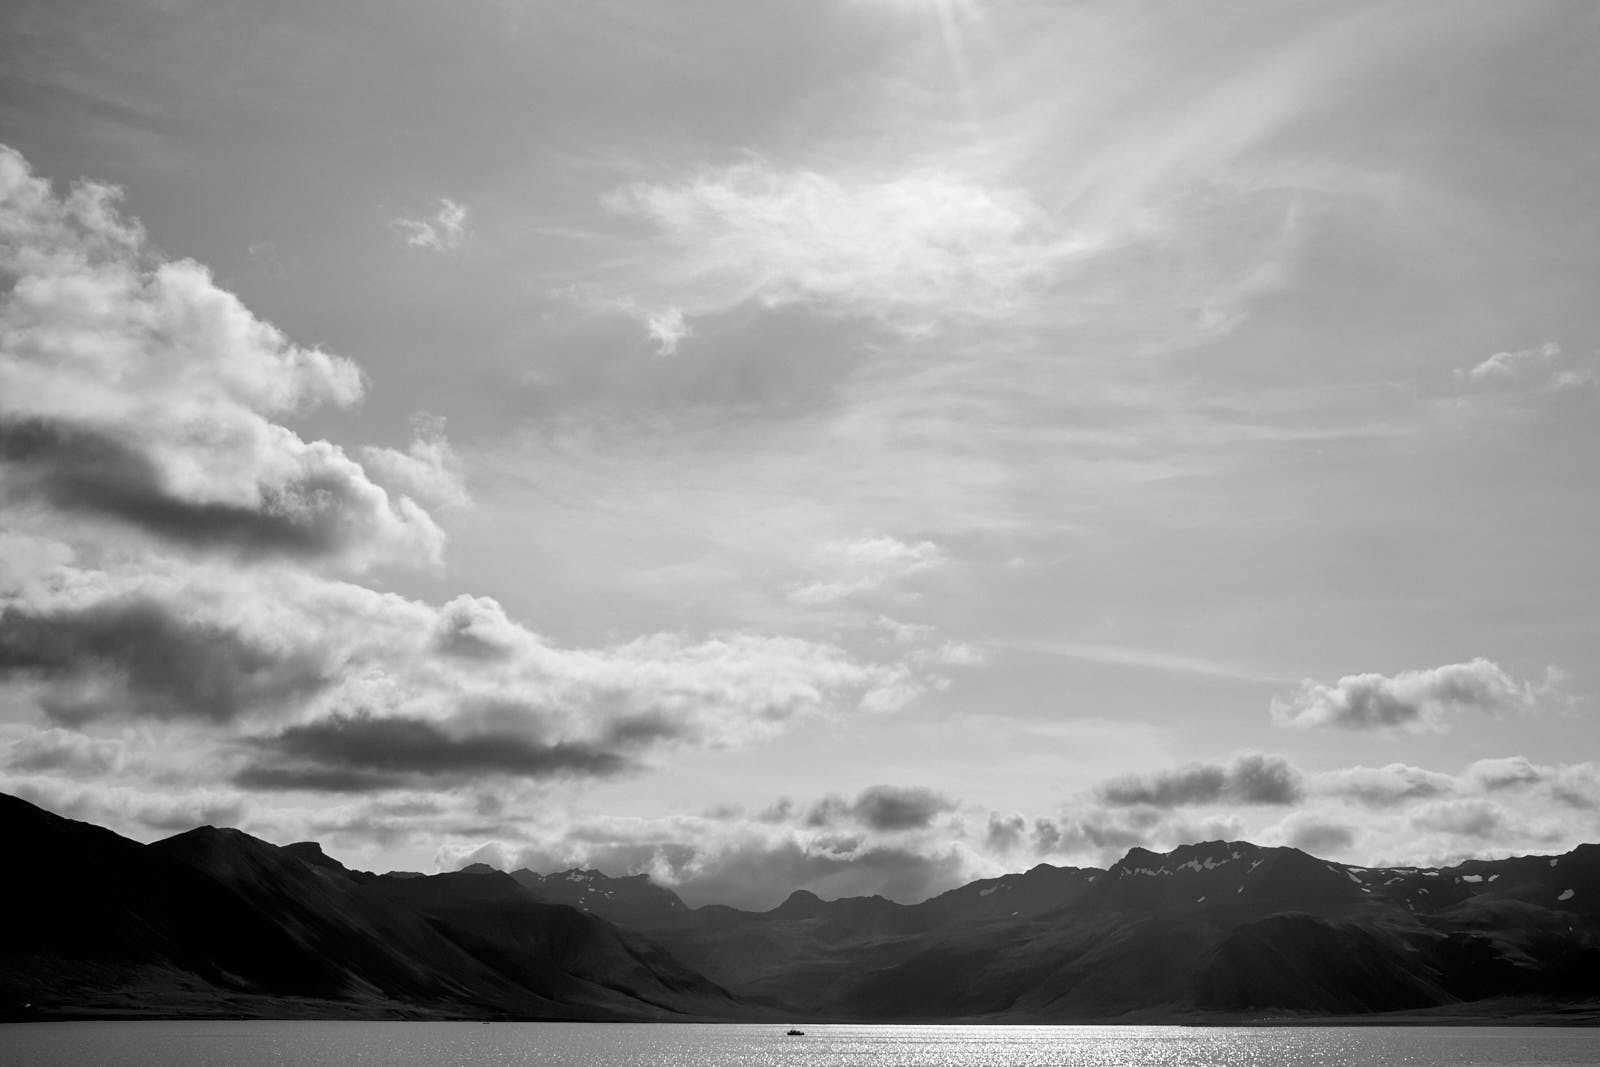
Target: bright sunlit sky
point(860, 445)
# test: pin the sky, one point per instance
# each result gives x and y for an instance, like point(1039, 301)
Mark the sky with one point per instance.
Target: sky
point(854, 445)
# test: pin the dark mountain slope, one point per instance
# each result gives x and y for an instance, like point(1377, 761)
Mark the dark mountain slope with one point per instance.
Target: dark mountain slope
point(218, 922)
point(631, 901)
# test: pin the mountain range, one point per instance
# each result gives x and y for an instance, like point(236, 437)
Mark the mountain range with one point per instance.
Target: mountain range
point(216, 923)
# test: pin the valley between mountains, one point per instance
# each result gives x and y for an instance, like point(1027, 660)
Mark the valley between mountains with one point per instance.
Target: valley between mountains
point(216, 923)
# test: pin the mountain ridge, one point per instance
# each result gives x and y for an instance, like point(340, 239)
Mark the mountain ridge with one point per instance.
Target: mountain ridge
point(214, 922)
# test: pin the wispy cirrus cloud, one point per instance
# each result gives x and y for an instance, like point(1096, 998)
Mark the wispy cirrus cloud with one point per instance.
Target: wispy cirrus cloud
point(1547, 367)
point(911, 249)
point(443, 231)
point(864, 566)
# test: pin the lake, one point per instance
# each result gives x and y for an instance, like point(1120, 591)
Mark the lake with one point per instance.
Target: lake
point(404, 1044)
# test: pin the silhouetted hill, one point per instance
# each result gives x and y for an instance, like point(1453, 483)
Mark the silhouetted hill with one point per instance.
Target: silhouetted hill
point(216, 922)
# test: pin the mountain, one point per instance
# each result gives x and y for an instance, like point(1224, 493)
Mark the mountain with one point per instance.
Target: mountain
point(1213, 928)
point(214, 922)
point(631, 901)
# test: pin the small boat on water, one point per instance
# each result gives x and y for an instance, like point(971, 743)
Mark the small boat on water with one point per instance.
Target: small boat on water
point(795, 1033)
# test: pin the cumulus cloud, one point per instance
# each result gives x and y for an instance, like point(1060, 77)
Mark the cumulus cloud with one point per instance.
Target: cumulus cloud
point(428, 470)
point(137, 810)
point(1379, 787)
point(1462, 818)
point(139, 656)
point(444, 231)
point(27, 750)
point(135, 391)
point(666, 328)
point(1315, 834)
point(1412, 701)
point(350, 676)
point(1251, 778)
point(911, 250)
point(168, 573)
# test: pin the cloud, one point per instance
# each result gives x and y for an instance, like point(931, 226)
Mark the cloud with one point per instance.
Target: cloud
point(747, 864)
point(1005, 832)
point(1314, 834)
point(884, 807)
point(1545, 367)
point(1462, 818)
point(1383, 786)
point(1102, 836)
point(1509, 772)
point(911, 250)
point(57, 751)
point(1252, 778)
point(444, 231)
point(865, 566)
point(354, 753)
point(428, 471)
point(169, 567)
point(136, 810)
point(667, 329)
point(136, 655)
point(300, 658)
point(215, 645)
point(1411, 701)
point(136, 391)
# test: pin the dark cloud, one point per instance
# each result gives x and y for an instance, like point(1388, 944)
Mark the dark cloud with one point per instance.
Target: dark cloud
point(882, 807)
point(84, 471)
point(351, 753)
point(1467, 818)
point(782, 810)
point(1382, 786)
point(1252, 778)
point(1320, 838)
point(1077, 835)
point(886, 807)
point(1005, 832)
point(827, 811)
point(316, 779)
point(135, 655)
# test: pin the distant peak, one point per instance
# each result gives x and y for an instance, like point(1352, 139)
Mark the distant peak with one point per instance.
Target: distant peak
point(478, 868)
point(801, 902)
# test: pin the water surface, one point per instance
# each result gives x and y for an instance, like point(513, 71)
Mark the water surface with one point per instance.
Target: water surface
point(402, 1044)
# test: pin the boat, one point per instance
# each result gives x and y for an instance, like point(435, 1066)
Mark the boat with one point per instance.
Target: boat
point(795, 1033)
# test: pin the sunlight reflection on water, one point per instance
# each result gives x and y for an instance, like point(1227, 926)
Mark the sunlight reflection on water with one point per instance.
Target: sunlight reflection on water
point(280, 1044)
